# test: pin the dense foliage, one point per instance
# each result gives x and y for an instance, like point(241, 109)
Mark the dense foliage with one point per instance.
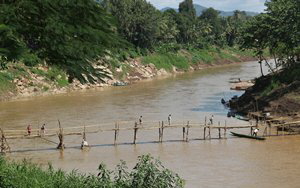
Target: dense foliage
point(144, 26)
point(148, 172)
point(68, 34)
point(278, 29)
point(73, 35)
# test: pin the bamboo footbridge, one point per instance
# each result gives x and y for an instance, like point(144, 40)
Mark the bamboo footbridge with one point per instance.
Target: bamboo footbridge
point(160, 126)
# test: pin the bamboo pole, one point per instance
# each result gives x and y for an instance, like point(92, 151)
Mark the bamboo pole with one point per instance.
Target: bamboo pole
point(162, 131)
point(204, 130)
point(187, 131)
point(225, 129)
point(116, 133)
point(219, 130)
point(135, 132)
point(61, 144)
point(159, 132)
point(183, 133)
point(2, 142)
point(209, 131)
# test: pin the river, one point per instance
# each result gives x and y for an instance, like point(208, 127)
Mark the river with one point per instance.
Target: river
point(232, 162)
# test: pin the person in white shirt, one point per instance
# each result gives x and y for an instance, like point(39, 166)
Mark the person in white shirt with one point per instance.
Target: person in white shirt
point(255, 131)
point(84, 143)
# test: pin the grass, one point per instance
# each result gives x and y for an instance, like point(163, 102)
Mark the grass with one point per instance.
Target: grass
point(148, 172)
point(167, 61)
point(275, 84)
point(184, 58)
point(53, 74)
point(6, 82)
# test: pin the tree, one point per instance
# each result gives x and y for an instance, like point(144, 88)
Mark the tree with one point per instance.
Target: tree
point(187, 8)
point(11, 46)
point(277, 29)
point(138, 21)
point(234, 25)
point(217, 23)
point(69, 34)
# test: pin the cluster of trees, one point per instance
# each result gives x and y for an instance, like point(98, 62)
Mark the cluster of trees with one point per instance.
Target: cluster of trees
point(146, 27)
point(72, 34)
point(277, 29)
point(66, 34)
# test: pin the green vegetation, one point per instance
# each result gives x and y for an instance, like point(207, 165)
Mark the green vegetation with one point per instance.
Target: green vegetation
point(5, 83)
point(167, 61)
point(183, 59)
point(277, 30)
point(73, 40)
point(148, 172)
point(275, 84)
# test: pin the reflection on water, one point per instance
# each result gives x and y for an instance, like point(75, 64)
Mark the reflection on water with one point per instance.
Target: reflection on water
point(231, 162)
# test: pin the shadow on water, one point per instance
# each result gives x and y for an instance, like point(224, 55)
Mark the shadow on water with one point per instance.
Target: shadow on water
point(119, 144)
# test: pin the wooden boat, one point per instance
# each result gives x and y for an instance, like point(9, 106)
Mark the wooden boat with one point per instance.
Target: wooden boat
point(247, 136)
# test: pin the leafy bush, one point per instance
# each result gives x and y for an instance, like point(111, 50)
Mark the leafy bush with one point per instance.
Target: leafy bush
point(148, 172)
point(30, 59)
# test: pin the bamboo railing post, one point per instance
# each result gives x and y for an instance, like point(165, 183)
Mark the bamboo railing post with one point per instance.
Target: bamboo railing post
point(265, 131)
point(251, 131)
point(219, 130)
point(61, 144)
point(225, 129)
point(135, 132)
point(2, 142)
point(209, 131)
point(277, 130)
point(204, 130)
point(282, 130)
point(159, 132)
point(162, 131)
point(183, 132)
point(187, 131)
point(116, 133)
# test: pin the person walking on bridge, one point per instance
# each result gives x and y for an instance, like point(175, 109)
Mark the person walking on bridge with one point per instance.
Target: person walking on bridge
point(43, 129)
point(29, 130)
point(169, 119)
point(211, 119)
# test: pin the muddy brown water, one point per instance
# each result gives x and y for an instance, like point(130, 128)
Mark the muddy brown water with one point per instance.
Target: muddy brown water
point(232, 162)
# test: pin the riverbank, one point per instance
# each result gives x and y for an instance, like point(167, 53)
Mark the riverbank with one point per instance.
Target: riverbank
point(19, 81)
point(275, 95)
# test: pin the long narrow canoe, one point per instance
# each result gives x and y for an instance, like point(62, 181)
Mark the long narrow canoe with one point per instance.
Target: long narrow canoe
point(247, 136)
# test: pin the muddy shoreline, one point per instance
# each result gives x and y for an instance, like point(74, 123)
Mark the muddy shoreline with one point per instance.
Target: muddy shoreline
point(24, 88)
